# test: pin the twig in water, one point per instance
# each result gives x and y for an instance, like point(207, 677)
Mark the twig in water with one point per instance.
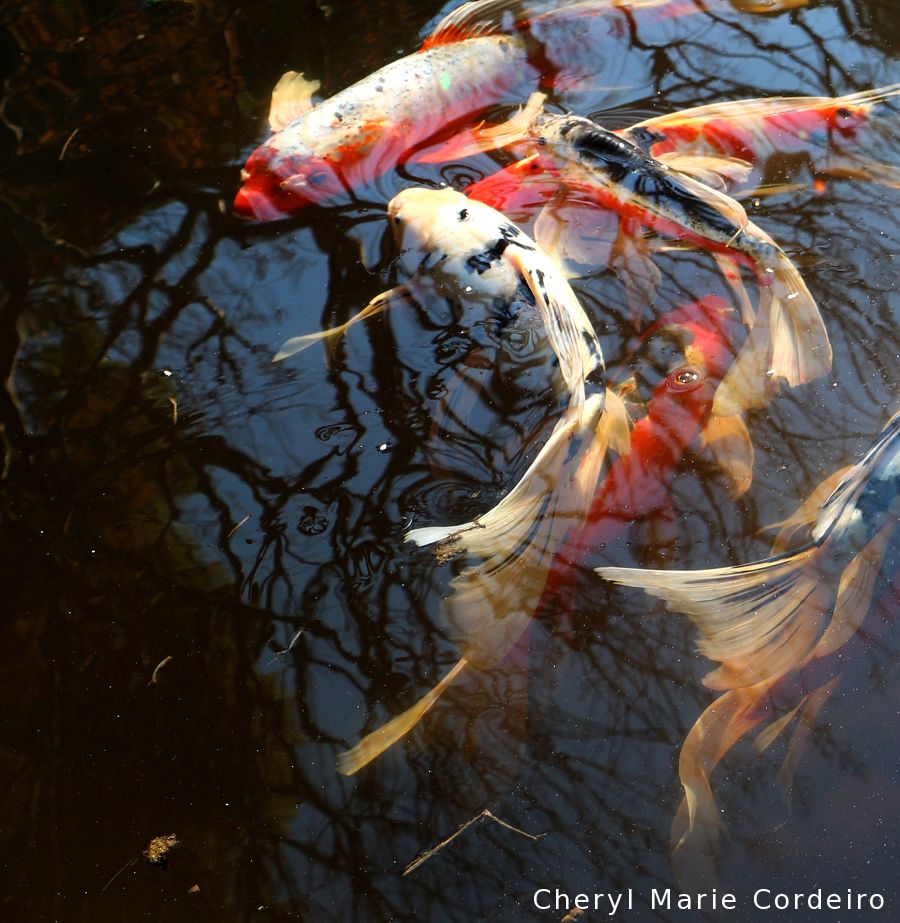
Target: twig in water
point(288, 649)
point(159, 666)
point(238, 526)
point(484, 815)
point(69, 140)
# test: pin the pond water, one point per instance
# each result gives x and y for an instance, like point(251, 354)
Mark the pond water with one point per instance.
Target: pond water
point(208, 591)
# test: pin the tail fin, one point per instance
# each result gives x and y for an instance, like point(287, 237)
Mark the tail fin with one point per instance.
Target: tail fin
point(374, 744)
point(714, 733)
point(788, 339)
point(493, 602)
point(758, 620)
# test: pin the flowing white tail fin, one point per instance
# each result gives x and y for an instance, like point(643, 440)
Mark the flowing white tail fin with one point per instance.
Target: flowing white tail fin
point(788, 340)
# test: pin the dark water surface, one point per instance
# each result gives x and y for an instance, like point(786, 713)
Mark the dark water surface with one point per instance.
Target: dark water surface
point(169, 492)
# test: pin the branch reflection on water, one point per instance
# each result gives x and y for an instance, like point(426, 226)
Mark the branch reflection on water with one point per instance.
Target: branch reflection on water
point(144, 422)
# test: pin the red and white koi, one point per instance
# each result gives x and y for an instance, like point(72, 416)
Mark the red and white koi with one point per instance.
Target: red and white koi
point(835, 135)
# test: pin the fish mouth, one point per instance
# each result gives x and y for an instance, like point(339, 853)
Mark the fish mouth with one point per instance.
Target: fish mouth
point(255, 203)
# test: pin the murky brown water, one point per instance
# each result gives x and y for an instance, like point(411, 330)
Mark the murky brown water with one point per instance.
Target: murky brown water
point(208, 594)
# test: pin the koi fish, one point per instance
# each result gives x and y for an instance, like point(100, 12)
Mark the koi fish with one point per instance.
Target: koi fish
point(681, 360)
point(700, 332)
point(473, 57)
point(788, 339)
point(457, 244)
point(777, 619)
point(836, 135)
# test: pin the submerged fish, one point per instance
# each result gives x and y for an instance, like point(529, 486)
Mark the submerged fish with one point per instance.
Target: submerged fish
point(775, 619)
point(682, 359)
point(455, 244)
point(788, 339)
point(472, 58)
point(699, 335)
point(835, 135)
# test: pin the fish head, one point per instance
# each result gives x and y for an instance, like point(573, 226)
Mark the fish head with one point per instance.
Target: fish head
point(846, 122)
point(684, 355)
point(432, 225)
point(277, 184)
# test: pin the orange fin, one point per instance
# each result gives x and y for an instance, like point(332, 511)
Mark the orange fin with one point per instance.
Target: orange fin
point(728, 440)
point(483, 138)
point(731, 272)
point(291, 98)
point(811, 707)
point(483, 17)
point(854, 595)
point(374, 744)
point(716, 731)
point(808, 512)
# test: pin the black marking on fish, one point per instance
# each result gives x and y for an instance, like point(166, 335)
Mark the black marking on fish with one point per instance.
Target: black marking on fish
point(574, 447)
point(430, 260)
point(463, 214)
point(626, 165)
point(644, 138)
point(481, 262)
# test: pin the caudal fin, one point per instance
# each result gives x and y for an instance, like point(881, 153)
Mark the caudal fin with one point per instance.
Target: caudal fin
point(757, 620)
point(492, 602)
point(788, 340)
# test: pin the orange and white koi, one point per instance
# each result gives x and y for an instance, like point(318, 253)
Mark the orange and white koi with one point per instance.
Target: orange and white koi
point(834, 135)
point(473, 57)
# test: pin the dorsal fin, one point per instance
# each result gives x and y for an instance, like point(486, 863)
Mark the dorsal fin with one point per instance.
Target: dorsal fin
point(291, 97)
point(479, 17)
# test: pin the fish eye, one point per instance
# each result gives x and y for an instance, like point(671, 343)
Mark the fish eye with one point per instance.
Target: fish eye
point(317, 178)
point(686, 378)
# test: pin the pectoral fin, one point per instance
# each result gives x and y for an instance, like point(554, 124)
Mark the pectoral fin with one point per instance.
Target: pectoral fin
point(291, 98)
point(374, 744)
point(722, 173)
point(631, 259)
point(376, 306)
point(729, 443)
point(483, 138)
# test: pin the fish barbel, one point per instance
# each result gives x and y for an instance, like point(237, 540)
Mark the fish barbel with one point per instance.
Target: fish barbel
point(776, 619)
point(457, 244)
point(788, 339)
point(472, 58)
point(835, 135)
